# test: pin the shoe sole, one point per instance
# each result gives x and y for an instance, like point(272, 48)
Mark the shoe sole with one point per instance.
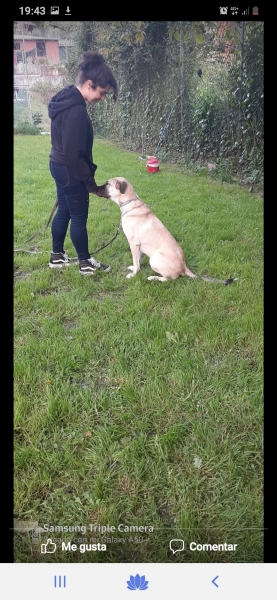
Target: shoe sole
point(92, 272)
point(60, 266)
point(103, 270)
point(87, 273)
point(106, 270)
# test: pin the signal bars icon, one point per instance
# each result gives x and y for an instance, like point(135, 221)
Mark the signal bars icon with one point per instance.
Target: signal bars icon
point(255, 12)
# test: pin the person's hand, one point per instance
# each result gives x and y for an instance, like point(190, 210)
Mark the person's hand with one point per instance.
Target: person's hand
point(92, 188)
point(95, 191)
point(101, 191)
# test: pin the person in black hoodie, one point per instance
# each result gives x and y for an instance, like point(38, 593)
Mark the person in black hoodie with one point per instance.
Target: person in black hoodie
point(71, 162)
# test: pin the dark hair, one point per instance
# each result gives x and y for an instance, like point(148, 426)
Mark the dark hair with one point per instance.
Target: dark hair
point(94, 67)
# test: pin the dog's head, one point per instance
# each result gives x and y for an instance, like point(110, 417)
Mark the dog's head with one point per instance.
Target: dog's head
point(117, 189)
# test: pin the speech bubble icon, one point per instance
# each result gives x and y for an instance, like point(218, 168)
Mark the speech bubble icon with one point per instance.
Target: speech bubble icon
point(176, 545)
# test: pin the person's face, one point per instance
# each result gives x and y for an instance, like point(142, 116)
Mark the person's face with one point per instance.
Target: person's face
point(94, 95)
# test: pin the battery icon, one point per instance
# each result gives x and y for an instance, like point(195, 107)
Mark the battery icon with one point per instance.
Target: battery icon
point(255, 11)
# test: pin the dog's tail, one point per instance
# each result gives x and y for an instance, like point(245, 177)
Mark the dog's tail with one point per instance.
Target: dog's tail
point(224, 281)
point(189, 273)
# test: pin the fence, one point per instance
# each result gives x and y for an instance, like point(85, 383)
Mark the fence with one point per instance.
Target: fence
point(39, 70)
point(212, 91)
point(21, 106)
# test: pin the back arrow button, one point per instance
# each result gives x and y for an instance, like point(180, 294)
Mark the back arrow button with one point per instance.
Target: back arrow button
point(213, 581)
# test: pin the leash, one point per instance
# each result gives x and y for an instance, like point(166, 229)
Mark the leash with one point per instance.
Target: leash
point(117, 233)
point(48, 223)
point(38, 232)
point(73, 260)
point(17, 273)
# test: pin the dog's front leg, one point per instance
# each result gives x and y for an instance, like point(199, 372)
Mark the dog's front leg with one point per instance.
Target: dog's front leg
point(136, 254)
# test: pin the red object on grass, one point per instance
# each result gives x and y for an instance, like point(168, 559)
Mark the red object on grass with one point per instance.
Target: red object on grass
point(152, 164)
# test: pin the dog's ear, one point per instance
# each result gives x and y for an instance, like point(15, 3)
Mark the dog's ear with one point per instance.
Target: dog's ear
point(121, 186)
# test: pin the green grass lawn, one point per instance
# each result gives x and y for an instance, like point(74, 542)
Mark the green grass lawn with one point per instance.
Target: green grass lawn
point(139, 403)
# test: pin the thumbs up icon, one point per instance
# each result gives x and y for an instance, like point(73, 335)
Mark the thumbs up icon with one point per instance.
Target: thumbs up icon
point(48, 547)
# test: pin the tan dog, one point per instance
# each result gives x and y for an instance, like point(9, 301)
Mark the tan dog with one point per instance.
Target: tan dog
point(146, 234)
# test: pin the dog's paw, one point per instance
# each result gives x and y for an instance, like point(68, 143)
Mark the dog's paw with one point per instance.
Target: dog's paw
point(130, 275)
point(131, 268)
point(152, 277)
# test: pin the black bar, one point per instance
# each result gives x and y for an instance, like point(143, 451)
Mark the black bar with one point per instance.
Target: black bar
point(193, 12)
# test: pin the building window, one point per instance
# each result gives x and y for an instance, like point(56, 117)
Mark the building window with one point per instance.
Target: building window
point(62, 53)
point(41, 51)
point(16, 45)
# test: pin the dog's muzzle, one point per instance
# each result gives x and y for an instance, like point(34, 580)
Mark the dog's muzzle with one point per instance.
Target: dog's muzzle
point(102, 191)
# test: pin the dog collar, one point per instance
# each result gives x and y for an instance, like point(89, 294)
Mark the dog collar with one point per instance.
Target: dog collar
point(128, 202)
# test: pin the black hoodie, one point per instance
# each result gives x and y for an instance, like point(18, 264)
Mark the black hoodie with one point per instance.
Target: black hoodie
point(72, 134)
